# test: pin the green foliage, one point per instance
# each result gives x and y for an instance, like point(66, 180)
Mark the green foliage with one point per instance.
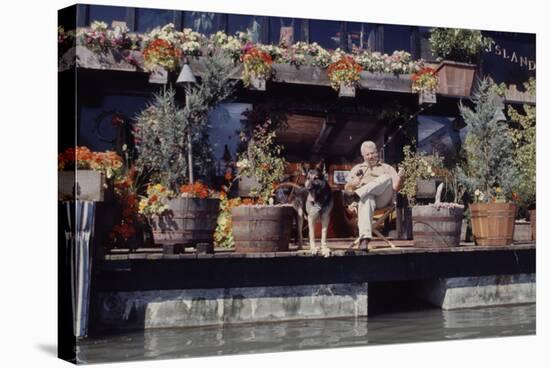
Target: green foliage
point(262, 160)
point(488, 171)
point(418, 166)
point(524, 139)
point(162, 128)
point(463, 45)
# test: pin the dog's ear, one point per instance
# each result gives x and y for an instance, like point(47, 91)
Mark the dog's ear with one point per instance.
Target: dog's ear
point(304, 168)
point(321, 166)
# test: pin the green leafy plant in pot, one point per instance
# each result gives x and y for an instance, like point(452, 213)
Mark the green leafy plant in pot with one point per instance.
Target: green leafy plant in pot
point(459, 51)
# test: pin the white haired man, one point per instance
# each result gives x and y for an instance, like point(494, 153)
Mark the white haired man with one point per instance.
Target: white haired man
point(372, 183)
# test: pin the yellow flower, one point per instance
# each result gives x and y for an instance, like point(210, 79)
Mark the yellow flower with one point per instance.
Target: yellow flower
point(498, 190)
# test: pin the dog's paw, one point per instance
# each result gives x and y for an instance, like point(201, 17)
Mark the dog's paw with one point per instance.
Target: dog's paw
point(325, 252)
point(314, 251)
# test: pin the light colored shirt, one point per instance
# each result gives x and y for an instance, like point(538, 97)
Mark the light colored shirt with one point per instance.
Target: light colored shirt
point(367, 174)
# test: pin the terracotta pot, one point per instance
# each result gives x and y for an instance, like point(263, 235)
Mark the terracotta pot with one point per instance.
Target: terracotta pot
point(493, 223)
point(533, 219)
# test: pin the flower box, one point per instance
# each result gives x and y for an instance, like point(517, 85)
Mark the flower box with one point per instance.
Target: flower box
point(346, 91)
point(455, 78)
point(81, 185)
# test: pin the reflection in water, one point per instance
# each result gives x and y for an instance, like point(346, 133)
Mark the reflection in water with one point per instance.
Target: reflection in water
point(417, 326)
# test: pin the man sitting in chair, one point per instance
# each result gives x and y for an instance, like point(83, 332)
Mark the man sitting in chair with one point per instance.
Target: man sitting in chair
point(372, 184)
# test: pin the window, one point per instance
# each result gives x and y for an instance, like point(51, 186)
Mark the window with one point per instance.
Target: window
point(106, 14)
point(252, 25)
point(440, 134)
point(96, 127)
point(225, 121)
point(326, 33)
point(205, 23)
point(147, 19)
point(425, 47)
point(292, 26)
point(360, 35)
point(397, 38)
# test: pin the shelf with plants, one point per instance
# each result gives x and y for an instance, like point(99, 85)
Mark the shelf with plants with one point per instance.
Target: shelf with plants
point(100, 48)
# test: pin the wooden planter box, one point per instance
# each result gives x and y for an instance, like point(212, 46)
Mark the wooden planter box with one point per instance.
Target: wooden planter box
point(522, 231)
point(81, 185)
point(456, 78)
point(493, 223)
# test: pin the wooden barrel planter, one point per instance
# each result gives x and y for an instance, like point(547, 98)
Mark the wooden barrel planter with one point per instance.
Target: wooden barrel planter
point(261, 228)
point(533, 219)
point(437, 227)
point(188, 221)
point(493, 223)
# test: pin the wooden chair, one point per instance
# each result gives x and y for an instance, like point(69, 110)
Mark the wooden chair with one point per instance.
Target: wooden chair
point(380, 218)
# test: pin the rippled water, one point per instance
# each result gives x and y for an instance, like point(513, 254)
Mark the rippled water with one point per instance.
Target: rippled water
point(414, 326)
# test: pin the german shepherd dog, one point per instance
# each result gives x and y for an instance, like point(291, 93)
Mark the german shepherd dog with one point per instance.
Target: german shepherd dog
point(313, 201)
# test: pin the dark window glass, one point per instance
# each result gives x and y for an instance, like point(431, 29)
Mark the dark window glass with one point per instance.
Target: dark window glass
point(106, 14)
point(440, 134)
point(96, 129)
point(276, 23)
point(205, 23)
point(397, 38)
point(252, 25)
point(360, 35)
point(326, 33)
point(425, 47)
point(147, 19)
point(511, 58)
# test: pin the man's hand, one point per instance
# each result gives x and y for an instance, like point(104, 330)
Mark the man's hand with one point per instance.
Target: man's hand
point(401, 172)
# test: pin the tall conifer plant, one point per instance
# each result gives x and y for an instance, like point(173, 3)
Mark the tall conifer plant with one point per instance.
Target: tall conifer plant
point(488, 167)
point(161, 129)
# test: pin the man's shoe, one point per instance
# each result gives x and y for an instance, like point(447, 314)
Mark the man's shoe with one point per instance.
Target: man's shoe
point(364, 244)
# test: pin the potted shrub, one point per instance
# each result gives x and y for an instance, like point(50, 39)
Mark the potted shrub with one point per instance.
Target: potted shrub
point(164, 133)
point(488, 171)
point(344, 75)
point(261, 226)
point(436, 224)
point(460, 50)
point(524, 139)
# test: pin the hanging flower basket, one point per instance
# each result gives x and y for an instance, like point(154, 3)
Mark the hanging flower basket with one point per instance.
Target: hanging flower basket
point(346, 91)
